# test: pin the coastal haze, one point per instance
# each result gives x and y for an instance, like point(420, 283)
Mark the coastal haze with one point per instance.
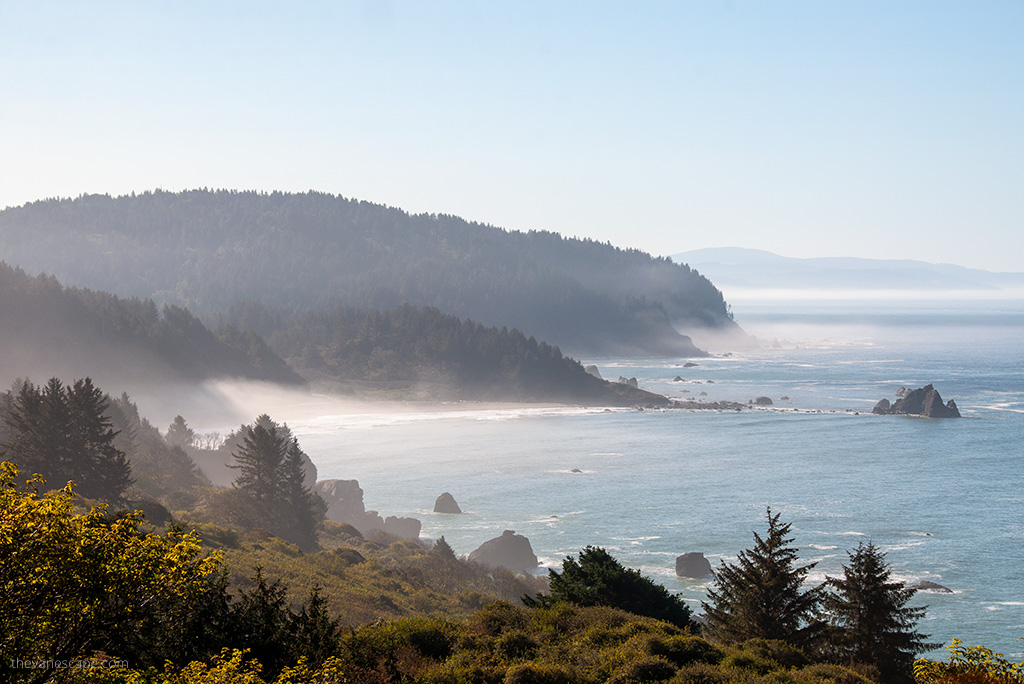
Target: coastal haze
point(607, 276)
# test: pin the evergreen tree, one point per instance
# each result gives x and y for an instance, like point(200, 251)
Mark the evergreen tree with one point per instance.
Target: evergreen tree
point(265, 624)
point(260, 461)
point(179, 434)
point(316, 633)
point(272, 478)
point(762, 595)
point(870, 622)
point(302, 509)
point(65, 434)
point(597, 579)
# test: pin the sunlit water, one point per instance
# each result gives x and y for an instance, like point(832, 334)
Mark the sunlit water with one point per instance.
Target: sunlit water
point(944, 498)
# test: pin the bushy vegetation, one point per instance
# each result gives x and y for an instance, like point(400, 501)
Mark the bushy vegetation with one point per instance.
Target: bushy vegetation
point(190, 595)
point(597, 579)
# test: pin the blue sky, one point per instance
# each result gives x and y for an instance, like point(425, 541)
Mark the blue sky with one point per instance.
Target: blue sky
point(872, 129)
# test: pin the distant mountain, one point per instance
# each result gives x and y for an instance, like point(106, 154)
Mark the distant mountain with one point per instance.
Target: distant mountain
point(49, 330)
point(751, 269)
point(207, 250)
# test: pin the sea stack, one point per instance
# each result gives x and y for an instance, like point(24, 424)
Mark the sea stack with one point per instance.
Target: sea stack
point(920, 402)
point(446, 504)
point(693, 565)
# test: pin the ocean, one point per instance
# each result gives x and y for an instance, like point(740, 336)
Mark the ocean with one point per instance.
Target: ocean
point(943, 498)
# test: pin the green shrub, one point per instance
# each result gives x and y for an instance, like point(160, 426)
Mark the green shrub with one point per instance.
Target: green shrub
point(498, 617)
point(516, 644)
point(700, 673)
point(683, 650)
point(536, 673)
point(644, 669)
point(827, 673)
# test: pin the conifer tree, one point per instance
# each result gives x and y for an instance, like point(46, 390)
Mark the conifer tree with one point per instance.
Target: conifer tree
point(64, 434)
point(761, 596)
point(272, 478)
point(260, 461)
point(316, 633)
point(870, 622)
point(598, 579)
point(302, 509)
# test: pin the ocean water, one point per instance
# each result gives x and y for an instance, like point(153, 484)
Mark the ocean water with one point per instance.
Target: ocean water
point(943, 498)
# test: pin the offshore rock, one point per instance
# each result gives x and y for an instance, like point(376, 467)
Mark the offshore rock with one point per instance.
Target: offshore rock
point(693, 565)
point(920, 402)
point(344, 499)
point(446, 504)
point(592, 370)
point(510, 551)
point(762, 401)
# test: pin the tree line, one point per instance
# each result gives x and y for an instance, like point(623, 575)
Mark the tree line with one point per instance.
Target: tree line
point(205, 250)
point(44, 323)
point(457, 358)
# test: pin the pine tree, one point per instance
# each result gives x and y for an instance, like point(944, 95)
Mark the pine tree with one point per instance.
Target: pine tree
point(598, 579)
point(870, 622)
point(762, 596)
point(272, 476)
point(65, 434)
point(179, 434)
point(316, 633)
point(301, 509)
point(265, 624)
point(260, 461)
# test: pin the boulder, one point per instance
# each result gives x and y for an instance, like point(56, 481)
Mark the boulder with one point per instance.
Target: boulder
point(690, 364)
point(762, 401)
point(344, 499)
point(446, 504)
point(693, 565)
point(678, 379)
point(510, 551)
point(926, 585)
point(592, 370)
point(925, 401)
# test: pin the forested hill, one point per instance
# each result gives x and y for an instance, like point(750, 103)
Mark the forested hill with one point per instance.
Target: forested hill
point(47, 329)
point(208, 249)
point(423, 353)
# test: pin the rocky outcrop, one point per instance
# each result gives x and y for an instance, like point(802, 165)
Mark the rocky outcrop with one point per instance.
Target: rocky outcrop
point(510, 551)
point(446, 504)
point(344, 499)
point(920, 402)
point(592, 370)
point(690, 364)
point(762, 401)
point(693, 565)
point(628, 381)
point(926, 585)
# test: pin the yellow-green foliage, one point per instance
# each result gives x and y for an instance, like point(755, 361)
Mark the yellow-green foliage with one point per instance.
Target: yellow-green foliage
point(369, 580)
point(969, 665)
point(67, 579)
point(230, 667)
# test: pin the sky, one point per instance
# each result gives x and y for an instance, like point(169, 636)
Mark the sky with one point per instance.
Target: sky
point(890, 130)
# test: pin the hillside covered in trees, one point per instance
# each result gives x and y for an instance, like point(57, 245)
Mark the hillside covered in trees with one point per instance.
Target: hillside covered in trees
point(424, 353)
point(206, 250)
point(49, 329)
